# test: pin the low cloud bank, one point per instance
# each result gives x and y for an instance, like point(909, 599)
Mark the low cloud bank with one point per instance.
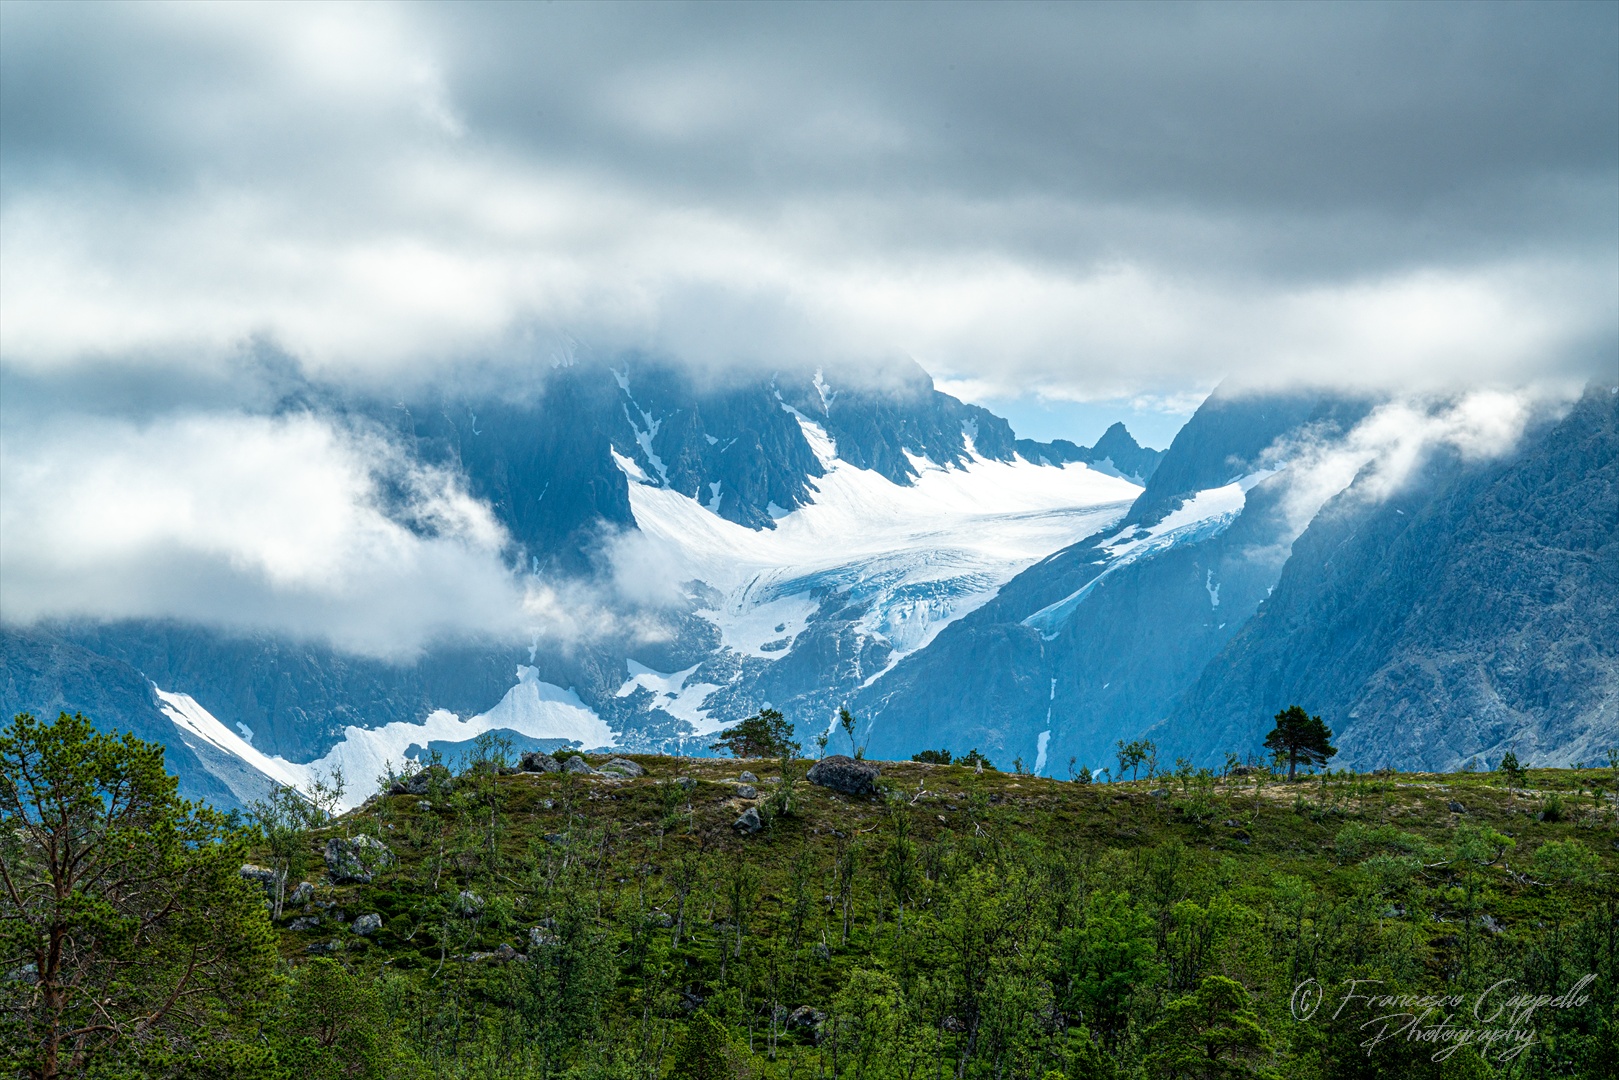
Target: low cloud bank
point(295, 525)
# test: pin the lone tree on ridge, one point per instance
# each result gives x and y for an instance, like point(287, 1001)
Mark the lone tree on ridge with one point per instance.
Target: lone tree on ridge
point(1302, 738)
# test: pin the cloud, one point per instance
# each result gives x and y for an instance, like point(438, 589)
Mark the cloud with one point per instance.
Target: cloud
point(1079, 202)
point(1384, 452)
point(293, 525)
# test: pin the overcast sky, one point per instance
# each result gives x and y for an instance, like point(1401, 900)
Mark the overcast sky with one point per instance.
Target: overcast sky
point(1068, 212)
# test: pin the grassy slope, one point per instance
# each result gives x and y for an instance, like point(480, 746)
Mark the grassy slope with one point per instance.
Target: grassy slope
point(611, 844)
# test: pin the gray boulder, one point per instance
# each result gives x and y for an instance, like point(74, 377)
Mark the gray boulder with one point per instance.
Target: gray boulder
point(623, 766)
point(1455, 807)
point(539, 761)
point(356, 859)
point(845, 775)
point(366, 925)
point(747, 791)
point(302, 894)
point(748, 778)
point(468, 903)
point(304, 922)
point(577, 764)
point(686, 782)
point(749, 821)
point(267, 879)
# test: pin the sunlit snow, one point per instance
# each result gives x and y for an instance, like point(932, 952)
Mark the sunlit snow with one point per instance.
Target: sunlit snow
point(923, 555)
point(531, 707)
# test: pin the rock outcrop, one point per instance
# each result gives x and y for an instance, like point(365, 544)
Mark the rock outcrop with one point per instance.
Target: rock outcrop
point(845, 775)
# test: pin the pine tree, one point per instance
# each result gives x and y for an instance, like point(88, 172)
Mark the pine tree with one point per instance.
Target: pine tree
point(704, 1052)
point(1301, 737)
point(764, 734)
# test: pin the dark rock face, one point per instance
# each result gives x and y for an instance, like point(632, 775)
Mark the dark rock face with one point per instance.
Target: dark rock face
point(845, 775)
point(1472, 612)
point(749, 822)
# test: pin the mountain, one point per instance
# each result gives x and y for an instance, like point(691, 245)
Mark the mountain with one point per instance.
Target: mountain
point(818, 539)
point(812, 529)
point(1473, 611)
point(1096, 641)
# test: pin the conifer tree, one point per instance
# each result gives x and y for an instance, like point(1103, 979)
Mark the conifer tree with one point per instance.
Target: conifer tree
point(704, 1052)
point(1300, 737)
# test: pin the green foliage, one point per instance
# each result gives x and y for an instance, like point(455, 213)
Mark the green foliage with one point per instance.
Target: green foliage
point(1132, 755)
point(1210, 1034)
point(1300, 737)
point(764, 734)
point(967, 924)
point(972, 759)
point(932, 757)
point(1107, 958)
point(1565, 862)
point(126, 900)
point(1511, 769)
point(704, 1052)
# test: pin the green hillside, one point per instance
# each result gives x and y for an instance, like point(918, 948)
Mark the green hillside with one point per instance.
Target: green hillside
point(664, 917)
point(981, 924)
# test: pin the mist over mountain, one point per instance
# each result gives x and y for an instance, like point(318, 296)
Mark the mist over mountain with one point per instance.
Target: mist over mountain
point(691, 549)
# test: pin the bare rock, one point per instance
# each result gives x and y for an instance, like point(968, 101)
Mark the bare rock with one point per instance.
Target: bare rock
point(579, 765)
point(356, 859)
point(845, 775)
point(747, 778)
point(366, 925)
point(302, 894)
point(540, 762)
point(749, 821)
point(747, 791)
point(623, 766)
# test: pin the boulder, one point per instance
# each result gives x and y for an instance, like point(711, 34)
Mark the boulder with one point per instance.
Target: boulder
point(747, 778)
point(577, 764)
point(539, 937)
point(539, 761)
point(267, 879)
point(623, 766)
point(686, 782)
point(1455, 807)
point(468, 903)
point(302, 894)
point(747, 791)
point(749, 821)
point(366, 925)
point(304, 922)
point(804, 1016)
point(356, 859)
point(418, 782)
point(845, 775)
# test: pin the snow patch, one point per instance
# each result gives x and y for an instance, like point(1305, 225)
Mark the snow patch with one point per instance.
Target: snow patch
point(192, 717)
point(1040, 752)
point(532, 707)
point(1205, 515)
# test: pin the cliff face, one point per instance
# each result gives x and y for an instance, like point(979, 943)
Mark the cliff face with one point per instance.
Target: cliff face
point(1472, 612)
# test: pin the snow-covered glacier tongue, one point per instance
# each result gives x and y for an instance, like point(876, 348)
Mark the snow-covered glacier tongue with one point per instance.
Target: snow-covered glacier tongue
point(867, 572)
